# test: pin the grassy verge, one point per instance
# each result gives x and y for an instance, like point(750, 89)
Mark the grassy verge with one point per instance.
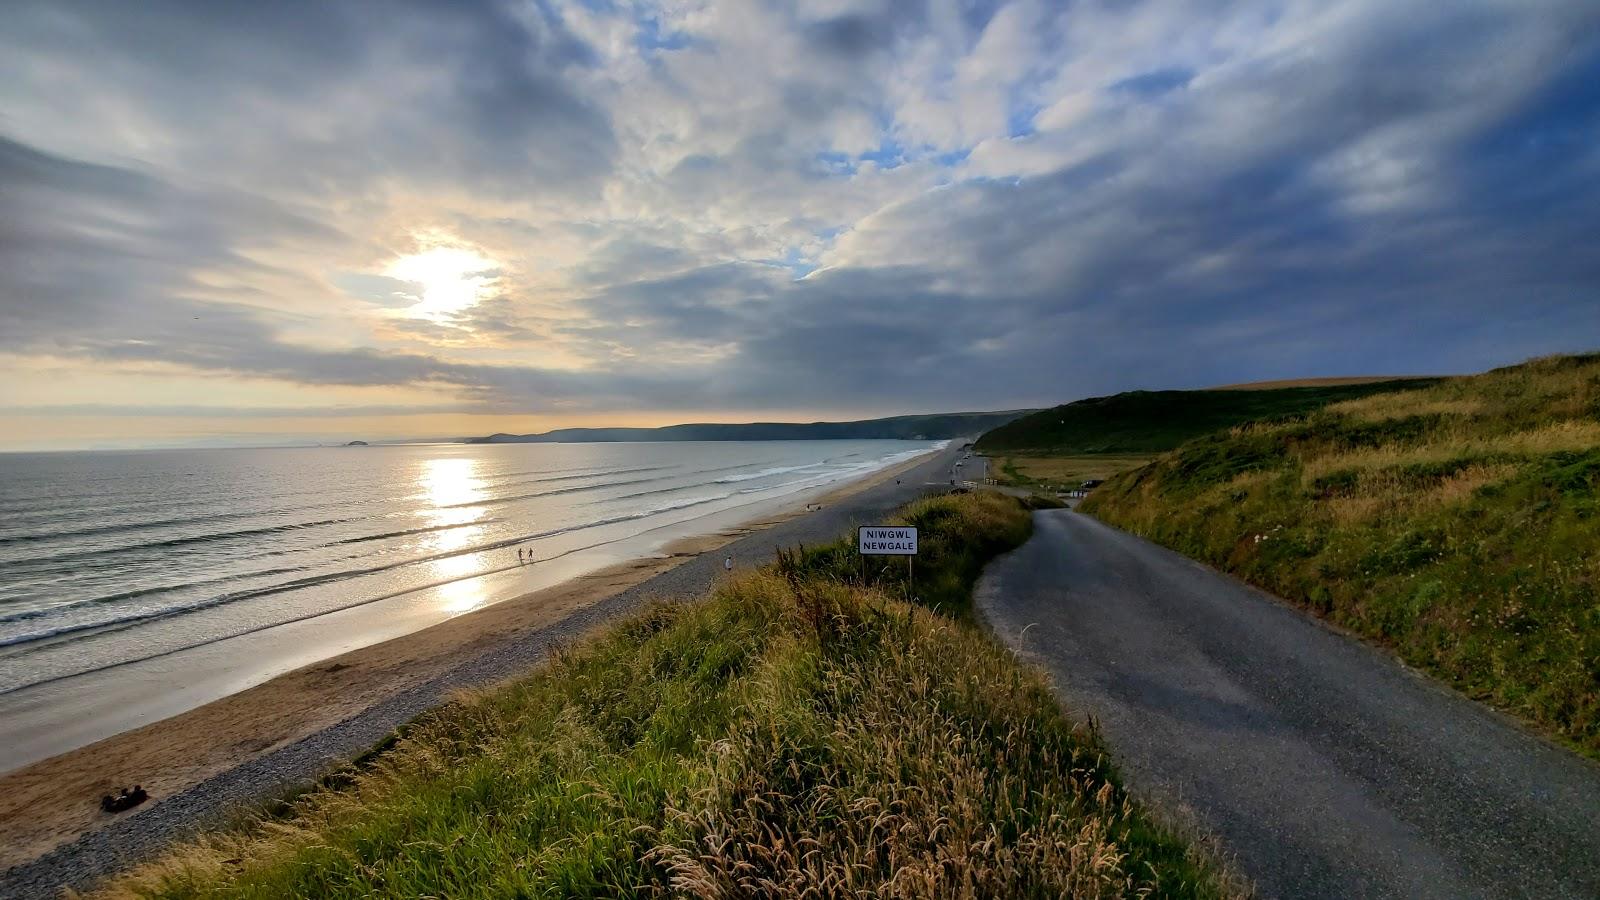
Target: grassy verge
point(798, 732)
point(1457, 522)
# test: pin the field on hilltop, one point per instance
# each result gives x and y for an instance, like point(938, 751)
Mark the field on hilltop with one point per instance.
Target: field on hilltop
point(810, 729)
point(1057, 472)
point(1156, 421)
point(1326, 381)
point(1104, 436)
point(1457, 521)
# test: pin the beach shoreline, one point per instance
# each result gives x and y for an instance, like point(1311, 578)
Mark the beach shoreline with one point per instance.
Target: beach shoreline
point(54, 800)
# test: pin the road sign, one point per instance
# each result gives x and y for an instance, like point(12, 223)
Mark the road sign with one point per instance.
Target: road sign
point(887, 540)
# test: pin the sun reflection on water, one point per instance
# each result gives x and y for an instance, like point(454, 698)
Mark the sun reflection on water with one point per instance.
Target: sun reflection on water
point(451, 488)
point(462, 594)
point(451, 482)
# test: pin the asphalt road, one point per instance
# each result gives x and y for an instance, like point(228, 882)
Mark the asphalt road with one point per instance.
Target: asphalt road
point(135, 837)
point(1324, 767)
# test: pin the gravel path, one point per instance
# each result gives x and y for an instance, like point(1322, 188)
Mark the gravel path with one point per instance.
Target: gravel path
point(142, 834)
point(1326, 768)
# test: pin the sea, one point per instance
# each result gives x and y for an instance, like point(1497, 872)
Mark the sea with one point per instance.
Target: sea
point(112, 560)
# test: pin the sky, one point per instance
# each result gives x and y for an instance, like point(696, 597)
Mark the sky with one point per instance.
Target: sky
point(262, 222)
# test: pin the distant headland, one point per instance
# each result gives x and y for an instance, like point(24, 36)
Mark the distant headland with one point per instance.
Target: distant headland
point(934, 427)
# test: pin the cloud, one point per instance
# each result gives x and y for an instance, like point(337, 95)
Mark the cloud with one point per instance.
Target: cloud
point(122, 410)
point(879, 205)
point(93, 250)
point(307, 97)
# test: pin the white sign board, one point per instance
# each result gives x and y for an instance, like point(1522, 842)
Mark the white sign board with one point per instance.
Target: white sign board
point(888, 540)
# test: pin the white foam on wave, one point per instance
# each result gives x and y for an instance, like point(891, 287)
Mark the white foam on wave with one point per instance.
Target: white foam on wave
point(840, 473)
point(764, 473)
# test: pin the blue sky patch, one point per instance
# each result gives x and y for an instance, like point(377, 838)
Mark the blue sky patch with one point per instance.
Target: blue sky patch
point(1152, 84)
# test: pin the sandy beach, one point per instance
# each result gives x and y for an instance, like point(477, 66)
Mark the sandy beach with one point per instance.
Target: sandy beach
point(55, 800)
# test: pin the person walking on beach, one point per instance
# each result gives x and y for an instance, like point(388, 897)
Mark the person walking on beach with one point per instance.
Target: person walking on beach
point(727, 565)
point(519, 555)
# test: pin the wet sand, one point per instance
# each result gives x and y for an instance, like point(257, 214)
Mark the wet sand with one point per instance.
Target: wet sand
point(55, 800)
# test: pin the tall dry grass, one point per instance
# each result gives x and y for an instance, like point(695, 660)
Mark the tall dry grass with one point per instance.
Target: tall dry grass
point(1458, 522)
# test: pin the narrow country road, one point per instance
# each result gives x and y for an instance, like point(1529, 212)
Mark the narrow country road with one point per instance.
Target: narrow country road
point(1326, 768)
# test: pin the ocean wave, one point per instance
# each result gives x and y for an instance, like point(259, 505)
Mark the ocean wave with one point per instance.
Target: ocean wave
point(151, 615)
point(765, 473)
point(558, 492)
point(190, 540)
point(39, 536)
point(504, 479)
point(105, 599)
point(407, 532)
point(835, 474)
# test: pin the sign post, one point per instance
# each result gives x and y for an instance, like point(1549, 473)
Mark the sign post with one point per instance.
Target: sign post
point(888, 540)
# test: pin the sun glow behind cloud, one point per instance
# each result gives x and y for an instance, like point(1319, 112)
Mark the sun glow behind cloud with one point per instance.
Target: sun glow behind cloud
point(450, 279)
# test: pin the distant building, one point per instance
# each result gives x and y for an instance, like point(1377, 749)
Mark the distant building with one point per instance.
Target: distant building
point(1082, 490)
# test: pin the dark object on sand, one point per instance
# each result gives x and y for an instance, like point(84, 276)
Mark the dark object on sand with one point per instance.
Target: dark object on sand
point(125, 800)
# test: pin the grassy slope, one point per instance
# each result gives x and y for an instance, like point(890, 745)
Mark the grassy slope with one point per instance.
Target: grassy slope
point(1156, 421)
point(795, 732)
point(1063, 471)
point(1316, 382)
point(1457, 522)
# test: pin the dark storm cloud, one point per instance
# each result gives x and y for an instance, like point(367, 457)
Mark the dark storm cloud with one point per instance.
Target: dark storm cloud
point(865, 336)
point(706, 302)
point(854, 35)
point(630, 259)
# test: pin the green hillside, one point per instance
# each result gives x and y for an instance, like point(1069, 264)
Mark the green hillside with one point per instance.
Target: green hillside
point(1458, 522)
point(1154, 421)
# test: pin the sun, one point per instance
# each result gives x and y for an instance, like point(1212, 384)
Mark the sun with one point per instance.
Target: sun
point(450, 279)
